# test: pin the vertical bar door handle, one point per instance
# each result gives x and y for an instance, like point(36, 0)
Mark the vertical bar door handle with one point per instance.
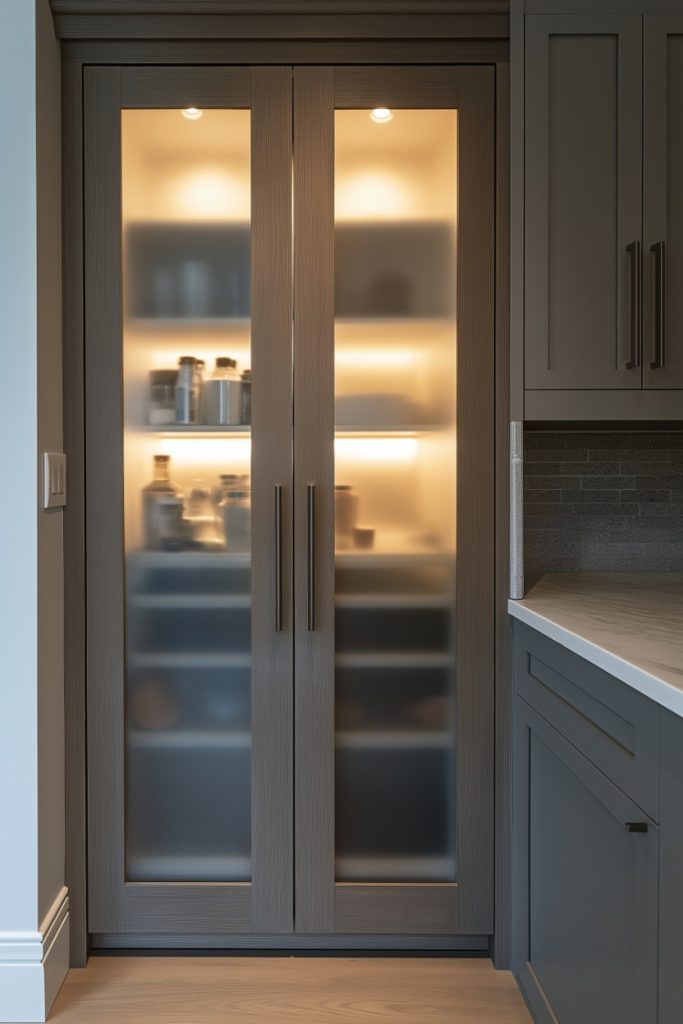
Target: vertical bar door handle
point(635, 305)
point(311, 557)
point(659, 360)
point(278, 558)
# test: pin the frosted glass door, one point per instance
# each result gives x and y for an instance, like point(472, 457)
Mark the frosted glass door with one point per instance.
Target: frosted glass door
point(393, 368)
point(186, 178)
point(188, 193)
point(395, 491)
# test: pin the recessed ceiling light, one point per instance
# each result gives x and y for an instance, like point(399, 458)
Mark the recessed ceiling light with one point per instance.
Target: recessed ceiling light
point(381, 115)
point(192, 113)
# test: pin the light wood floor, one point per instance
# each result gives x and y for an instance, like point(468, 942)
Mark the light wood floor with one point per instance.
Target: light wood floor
point(291, 990)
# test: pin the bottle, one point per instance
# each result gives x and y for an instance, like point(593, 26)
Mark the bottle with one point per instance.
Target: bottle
point(186, 391)
point(236, 508)
point(222, 394)
point(153, 496)
point(200, 511)
point(246, 397)
point(345, 511)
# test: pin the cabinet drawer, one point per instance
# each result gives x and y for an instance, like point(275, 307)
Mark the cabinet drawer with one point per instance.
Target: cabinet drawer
point(612, 725)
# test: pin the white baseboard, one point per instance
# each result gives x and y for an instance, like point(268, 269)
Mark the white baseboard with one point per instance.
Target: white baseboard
point(33, 966)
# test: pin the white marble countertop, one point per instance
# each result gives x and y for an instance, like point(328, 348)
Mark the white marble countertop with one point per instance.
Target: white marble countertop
point(628, 623)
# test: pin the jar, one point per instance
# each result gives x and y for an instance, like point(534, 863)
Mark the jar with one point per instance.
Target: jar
point(222, 394)
point(236, 508)
point(246, 397)
point(162, 397)
point(345, 510)
point(186, 391)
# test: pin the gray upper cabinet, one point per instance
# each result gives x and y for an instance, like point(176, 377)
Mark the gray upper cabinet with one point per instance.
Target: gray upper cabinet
point(663, 201)
point(598, 104)
point(582, 201)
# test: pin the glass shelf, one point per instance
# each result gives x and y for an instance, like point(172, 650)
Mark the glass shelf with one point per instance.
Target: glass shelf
point(174, 739)
point(387, 868)
point(197, 430)
point(384, 739)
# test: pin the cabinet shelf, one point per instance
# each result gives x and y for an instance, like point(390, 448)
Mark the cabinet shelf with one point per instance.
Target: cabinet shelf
point(192, 739)
point(197, 430)
point(163, 659)
point(181, 324)
point(187, 868)
point(408, 430)
point(391, 602)
point(161, 602)
point(394, 659)
point(404, 739)
point(386, 868)
point(190, 560)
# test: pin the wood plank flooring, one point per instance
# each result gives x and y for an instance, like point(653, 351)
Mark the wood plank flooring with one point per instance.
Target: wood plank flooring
point(291, 990)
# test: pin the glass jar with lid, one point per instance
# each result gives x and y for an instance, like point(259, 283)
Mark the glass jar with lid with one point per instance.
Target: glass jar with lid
point(222, 394)
point(187, 391)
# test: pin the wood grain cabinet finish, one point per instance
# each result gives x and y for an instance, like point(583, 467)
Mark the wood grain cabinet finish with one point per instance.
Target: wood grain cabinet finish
point(582, 201)
point(293, 888)
point(663, 201)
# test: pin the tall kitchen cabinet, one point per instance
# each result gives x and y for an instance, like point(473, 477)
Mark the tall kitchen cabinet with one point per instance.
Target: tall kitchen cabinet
point(289, 556)
point(602, 227)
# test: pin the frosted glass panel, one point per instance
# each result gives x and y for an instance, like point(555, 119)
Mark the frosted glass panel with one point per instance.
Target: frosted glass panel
point(395, 494)
point(187, 487)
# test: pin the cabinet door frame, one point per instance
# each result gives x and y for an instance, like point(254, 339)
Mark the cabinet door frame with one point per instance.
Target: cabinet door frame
point(322, 904)
point(526, 721)
point(265, 903)
point(656, 31)
point(538, 31)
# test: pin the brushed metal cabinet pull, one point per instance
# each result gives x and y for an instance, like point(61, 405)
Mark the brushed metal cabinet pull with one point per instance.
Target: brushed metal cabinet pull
point(278, 558)
point(311, 557)
point(659, 360)
point(635, 305)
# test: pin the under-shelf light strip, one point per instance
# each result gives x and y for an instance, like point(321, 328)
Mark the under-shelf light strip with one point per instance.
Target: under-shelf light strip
point(364, 448)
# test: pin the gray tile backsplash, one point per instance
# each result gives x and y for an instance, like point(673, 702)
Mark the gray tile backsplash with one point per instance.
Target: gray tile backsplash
point(603, 501)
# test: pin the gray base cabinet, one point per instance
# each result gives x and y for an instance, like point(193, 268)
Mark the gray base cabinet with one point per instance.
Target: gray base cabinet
point(598, 848)
point(671, 872)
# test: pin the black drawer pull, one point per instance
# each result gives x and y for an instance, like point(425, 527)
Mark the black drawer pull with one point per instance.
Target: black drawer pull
point(636, 826)
point(635, 305)
point(659, 360)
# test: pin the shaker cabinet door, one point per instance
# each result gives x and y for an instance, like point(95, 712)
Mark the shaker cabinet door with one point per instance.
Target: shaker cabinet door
point(583, 202)
point(585, 886)
point(663, 201)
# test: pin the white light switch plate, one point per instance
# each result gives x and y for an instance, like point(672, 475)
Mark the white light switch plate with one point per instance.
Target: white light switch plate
point(54, 480)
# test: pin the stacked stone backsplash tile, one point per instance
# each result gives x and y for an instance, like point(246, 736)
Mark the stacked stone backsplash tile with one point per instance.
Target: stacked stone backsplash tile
point(605, 501)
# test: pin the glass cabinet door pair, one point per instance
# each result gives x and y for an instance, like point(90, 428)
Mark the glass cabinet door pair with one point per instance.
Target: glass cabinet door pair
point(289, 320)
